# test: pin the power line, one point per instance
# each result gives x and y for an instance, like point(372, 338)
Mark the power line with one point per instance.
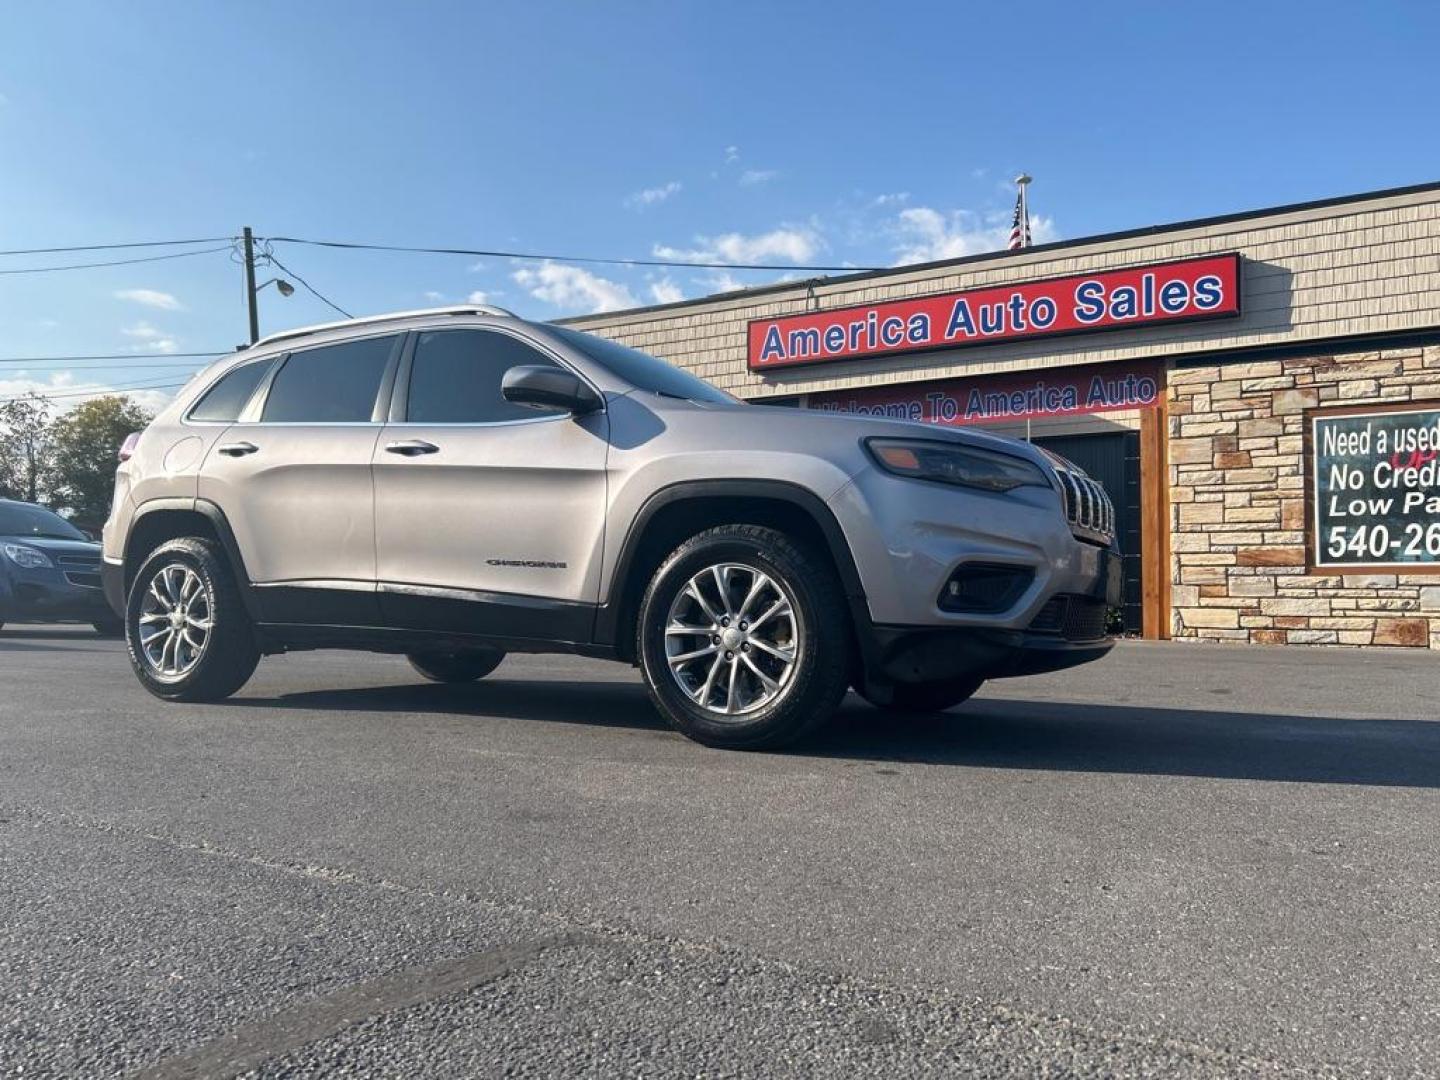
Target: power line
point(113, 247)
point(313, 291)
point(106, 356)
point(677, 263)
point(105, 365)
point(114, 262)
point(96, 390)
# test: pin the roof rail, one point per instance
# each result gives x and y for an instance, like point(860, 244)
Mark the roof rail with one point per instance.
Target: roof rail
point(394, 316)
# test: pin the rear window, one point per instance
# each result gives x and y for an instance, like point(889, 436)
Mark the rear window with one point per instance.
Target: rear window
point(334, 384)
point(227, 398)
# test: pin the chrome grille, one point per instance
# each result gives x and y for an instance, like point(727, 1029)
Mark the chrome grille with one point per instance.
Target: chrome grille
point(1087, 507)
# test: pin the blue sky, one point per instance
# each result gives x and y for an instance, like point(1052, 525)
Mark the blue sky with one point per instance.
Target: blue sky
point(837, 133)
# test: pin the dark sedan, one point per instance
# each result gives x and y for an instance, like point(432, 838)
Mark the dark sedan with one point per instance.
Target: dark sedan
point(49, 570)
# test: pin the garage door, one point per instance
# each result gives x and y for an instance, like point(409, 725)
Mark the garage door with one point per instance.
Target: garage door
point(1114, 460)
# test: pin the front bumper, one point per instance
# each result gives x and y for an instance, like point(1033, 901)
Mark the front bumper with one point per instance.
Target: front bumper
point(44, 595)
point(907, 654)
point(912, 538)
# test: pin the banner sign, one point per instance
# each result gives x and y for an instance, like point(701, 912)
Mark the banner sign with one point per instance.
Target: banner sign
point(1376, 477)
point(1028, 395)
point(1204, 288)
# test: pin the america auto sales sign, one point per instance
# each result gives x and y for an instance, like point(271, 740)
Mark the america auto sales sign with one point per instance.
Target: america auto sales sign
point(1170, 292)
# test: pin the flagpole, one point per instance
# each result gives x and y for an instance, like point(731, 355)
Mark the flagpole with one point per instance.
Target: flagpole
point(1023, 183)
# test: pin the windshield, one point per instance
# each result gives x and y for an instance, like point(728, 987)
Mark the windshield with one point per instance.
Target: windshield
point(22, 519)
point(644, 371)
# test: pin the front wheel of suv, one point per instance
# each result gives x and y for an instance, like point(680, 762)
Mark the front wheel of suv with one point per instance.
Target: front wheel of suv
point(188, 634)
point(743, 638)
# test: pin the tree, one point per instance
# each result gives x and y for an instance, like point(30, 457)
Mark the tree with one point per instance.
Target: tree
point(24, 423)
point(83, 447)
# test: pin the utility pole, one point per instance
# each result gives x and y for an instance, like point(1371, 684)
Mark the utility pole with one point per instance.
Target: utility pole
point(251, 300)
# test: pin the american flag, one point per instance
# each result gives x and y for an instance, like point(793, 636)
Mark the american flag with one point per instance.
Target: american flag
point(1020, 229)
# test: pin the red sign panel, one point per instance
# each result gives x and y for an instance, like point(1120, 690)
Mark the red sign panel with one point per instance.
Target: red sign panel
point(1205, 288)
point(1027, 395)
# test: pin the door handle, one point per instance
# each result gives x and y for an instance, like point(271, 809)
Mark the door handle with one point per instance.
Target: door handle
point(411, 448)
point(237, 449)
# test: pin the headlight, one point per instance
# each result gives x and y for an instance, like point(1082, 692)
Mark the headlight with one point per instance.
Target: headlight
point(28, 557)
point(952, 463)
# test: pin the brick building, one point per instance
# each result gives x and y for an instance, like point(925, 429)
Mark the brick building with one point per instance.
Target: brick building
point(1259, 392)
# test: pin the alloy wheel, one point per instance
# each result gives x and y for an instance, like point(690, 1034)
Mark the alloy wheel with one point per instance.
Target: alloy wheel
point(732, 639)
point(175, 622)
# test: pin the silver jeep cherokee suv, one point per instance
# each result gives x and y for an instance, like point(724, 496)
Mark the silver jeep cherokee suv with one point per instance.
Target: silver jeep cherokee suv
point(457, 484)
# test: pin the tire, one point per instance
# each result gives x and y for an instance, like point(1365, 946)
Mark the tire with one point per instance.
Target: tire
point(740, 711)
point(927, 697)
point(109, 627)
point(229, 653)
point(456, 666)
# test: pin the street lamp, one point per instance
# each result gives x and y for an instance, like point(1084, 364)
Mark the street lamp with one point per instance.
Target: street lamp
point(284, 287)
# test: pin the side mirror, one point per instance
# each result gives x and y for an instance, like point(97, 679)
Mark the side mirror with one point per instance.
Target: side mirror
point(540, 386)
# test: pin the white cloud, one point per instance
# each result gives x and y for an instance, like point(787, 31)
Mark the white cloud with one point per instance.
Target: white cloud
point(149, 339)
point(792, 243)
point(433, 296)
point(478, 296)
point(574, 288)
point(732, 155)
point(925, 234)
point(75, 393)
point(894, 198)
point(721, 281)
point(475, 267)
point(152, 298)
point(650, 196)
point(756, 177)
point(666, 291)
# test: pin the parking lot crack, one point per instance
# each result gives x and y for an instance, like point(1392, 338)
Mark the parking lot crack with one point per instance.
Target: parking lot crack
point(255, 1043)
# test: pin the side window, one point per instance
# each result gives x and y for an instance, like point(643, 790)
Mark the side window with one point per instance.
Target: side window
point(455, 377)
point(227, 398)
point(334, 384)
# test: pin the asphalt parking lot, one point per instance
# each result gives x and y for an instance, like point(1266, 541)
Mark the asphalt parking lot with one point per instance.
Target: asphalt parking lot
point(1184, 860)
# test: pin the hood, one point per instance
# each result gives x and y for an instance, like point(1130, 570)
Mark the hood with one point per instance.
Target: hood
point(851, 427)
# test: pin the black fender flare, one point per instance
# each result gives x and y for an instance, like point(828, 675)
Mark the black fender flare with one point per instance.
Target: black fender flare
point(611, 610)
point(216, 517)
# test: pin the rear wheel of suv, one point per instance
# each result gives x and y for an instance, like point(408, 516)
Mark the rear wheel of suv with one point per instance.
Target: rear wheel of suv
point(456, 666)
point(927, 697)
point(189, 636)
point(743, 638)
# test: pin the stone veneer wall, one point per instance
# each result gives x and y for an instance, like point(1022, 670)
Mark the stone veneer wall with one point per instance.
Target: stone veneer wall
point(1237, 492)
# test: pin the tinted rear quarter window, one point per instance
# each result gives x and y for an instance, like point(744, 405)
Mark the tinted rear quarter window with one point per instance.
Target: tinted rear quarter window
point(334, 384)
point(456, 374)
point(225, 400)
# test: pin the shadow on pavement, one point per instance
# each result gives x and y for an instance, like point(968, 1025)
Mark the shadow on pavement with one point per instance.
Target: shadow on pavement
point(987, 733)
